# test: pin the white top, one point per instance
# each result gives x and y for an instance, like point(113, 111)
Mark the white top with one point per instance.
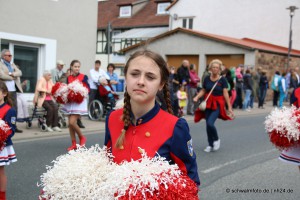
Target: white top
point(10, 86)
point(95, 76)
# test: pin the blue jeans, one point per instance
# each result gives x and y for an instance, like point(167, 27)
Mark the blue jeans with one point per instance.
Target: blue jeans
point(281, 98)
point(211, 116)
point(247, 98)
point(262, 96)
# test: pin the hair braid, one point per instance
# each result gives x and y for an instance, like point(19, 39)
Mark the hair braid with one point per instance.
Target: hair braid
point(125, 119)
point(167, 97)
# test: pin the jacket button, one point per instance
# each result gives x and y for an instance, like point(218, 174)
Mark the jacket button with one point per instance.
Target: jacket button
point(141, 150)
point(147, 134)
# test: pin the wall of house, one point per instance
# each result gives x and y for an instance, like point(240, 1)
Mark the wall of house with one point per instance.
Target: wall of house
point(71, 25)
point(184, 44)
point(258, 19)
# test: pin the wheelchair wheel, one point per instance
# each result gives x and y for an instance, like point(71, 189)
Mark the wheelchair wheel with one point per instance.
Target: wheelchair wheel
point(62, 122)
point(29, 124)
point(43, 127)
point(95, 110)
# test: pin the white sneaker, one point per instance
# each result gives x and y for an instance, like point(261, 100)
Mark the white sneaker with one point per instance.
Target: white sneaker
point(48, 129)
point(208, 149)
point(217, 145)
point(56, 128)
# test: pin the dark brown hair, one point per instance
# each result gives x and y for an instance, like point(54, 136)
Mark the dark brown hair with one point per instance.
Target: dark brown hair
point(72, 63)
point(4, 89)
point(111, 65)
point(164, 72)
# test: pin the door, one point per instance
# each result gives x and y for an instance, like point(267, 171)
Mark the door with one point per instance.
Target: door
point(176, 60)
point(227, 60)
point(27, 59)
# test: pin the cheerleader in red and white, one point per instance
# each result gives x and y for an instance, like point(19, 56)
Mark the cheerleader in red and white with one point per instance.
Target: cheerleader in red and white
point(142, 126)
point(292, 155)
point(7, 130)
point(77, 103)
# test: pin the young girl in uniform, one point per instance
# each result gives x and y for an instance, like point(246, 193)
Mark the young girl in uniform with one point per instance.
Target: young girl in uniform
point(141, 126)
point(74, 110)
point(7, 155)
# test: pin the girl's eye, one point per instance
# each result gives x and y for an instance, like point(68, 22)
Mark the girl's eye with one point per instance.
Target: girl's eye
point(134, 74)
point(150, 77)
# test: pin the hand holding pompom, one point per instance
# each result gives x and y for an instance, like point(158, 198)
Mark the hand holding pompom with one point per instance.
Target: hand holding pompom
point(5, 131)
point(60, 92)
point(77, 92)
point(91, 174)
point(283, 126)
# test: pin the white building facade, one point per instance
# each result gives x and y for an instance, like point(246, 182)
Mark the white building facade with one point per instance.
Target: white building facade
point(39, 32)
point(264, 20)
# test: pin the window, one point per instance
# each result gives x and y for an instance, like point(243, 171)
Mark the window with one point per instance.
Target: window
point(187, 23)
point(102, 42)
point(161, 8)
point(125, 11)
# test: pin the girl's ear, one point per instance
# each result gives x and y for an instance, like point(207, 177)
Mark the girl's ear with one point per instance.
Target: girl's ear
point(4, 94)
point(161, 86)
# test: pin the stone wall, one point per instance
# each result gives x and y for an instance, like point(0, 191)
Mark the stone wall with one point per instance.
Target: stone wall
point(273, 62)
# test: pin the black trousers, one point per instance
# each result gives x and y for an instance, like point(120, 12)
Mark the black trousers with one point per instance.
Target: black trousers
point(275, 98)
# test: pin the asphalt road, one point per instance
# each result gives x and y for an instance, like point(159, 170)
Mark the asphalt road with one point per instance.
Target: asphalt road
point(245, 167)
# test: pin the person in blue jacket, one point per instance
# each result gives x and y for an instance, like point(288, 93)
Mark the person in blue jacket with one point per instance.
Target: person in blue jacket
point(141, 125)
point(7, 153)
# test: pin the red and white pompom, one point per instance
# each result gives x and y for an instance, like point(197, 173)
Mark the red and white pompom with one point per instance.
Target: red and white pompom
point(78, 175)
point(91, 174)
point(5, 131)
point(60, 92)
point(77, 92)
point(152, 178)
point(283, 126)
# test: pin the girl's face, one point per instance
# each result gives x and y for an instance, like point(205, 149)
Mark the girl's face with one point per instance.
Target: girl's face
point(215, 68)
point(2, 96)
point(76, 68)
point(143, 80)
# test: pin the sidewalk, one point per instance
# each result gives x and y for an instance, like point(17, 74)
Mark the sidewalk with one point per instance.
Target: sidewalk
point(97, 126)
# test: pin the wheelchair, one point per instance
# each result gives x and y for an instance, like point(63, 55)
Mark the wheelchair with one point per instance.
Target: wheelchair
point(40, 115)
point(101, 106)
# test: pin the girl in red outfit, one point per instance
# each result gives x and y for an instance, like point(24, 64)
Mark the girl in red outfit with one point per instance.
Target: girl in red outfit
point(141, 125)
point(7, 155)
point(74, 110)
point(215, 107)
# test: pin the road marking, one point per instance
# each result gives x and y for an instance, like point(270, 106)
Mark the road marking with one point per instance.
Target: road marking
point(206, 171)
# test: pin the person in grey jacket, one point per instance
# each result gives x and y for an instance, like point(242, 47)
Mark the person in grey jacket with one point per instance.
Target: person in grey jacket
point(10, 74)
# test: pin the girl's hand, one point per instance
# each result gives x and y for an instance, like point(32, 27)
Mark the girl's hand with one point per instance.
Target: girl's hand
point(195, 99)
point(230, 112)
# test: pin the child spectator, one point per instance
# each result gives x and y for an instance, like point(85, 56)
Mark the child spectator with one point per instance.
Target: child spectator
point(182, 96)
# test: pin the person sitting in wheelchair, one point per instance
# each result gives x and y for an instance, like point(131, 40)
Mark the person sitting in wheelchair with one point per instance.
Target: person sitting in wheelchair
point(43, 98)
point(106, 91)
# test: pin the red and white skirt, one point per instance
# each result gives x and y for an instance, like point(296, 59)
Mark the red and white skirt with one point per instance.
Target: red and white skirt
point(76, 108)
point(7, 156)
point(292, 155)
